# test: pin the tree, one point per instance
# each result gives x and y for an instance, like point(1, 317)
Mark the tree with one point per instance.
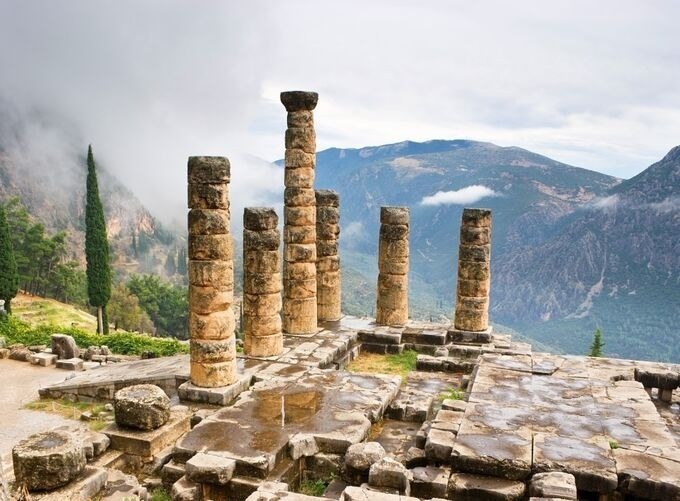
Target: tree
point(9, 276)
point(125, 312)
point(182, 261)
point(170, 268)
point(96, 248)
point(165, 303)
point(597, 344)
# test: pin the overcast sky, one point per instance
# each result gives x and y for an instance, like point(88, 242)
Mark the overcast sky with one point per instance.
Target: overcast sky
point(148, 83)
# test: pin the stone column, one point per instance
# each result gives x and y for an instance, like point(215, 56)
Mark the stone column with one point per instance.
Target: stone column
point(261, 283)
point(299, 231)
point(328, 261)
point(211, 274)
point(474, 266)
point(392, 303)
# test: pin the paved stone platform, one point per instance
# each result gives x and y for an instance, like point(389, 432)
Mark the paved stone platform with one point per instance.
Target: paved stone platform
point(584, 416)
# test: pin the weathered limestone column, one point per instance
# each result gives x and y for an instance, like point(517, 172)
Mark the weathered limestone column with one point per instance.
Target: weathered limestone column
point(261, 283)
point(328, 261)
point(211, 274)
point(474, 271)
point(299, 232)
point(392, 303)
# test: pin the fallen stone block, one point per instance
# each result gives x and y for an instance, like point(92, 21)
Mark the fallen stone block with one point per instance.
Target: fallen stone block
point(553, 484)
point(48, 460)
point(209, 469)
point(171, 472)
point(302, 444)
point(70, 364)
point(430, 481)
point(647, 476)
point(439, 445)
point(390, 473)
point(358, 461)
point(43, 359)
point(365, 493)
point(88, 485)
point(185, 490)
point(141, 406)
point(454, 405)
point(469, 487)
point(64, 346)
point(121, 486)
point(19, 352)
point(4, 353)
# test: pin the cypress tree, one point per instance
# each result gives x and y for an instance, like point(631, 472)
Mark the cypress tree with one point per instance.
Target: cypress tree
point(597, 344)
point(96, 248)
point(9, 276)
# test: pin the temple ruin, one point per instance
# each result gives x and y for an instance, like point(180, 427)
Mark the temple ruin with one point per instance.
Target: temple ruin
point(476, 416)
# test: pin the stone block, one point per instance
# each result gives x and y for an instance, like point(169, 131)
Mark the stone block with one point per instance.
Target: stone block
point(394, 215)
point(439, 445)
point(390, 473)
point(430, 482)
point(208, 170)
point(301, 138)
point(70, 364)
point(218, 325)
point(215, 396)
point(300, 234)
point(471, 235)
point(208, 196)
point(298, 100)
point(359, 459)
point(148, 442)
point(205, 300)
point(553, 484)
point(299, 197)
point(4, 353)
point(210, 469)
point(185, 490)
point(43, 359)
point(302, 177)
point(301, 118)
point(297, 159)
point(48, 460)
point(211, 351)
point(142, 406)
point(472, 337)
point(64, 346)
point(211, 273)
point(260, 218)
point(208, 222)
point(467, 487)
point(302, 445)
point(263, 346)
point(379, 337)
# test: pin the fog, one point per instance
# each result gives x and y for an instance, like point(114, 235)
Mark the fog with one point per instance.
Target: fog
point(150, 83)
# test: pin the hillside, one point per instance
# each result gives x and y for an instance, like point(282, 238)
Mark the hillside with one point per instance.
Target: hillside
point(39, 310)
point(50, 181)
point(553, 228)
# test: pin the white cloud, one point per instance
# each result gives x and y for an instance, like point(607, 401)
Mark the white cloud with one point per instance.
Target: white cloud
point(670, 204)
point(467, 195)
point(604, 203)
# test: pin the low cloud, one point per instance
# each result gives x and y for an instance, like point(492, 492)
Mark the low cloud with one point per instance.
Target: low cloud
point(670, 204)
point(467, 195)
point(604, 203)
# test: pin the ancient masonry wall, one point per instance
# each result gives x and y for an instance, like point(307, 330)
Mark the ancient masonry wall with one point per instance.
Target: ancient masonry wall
point(299, 232)
point(474, 271)
point(328, 261)
point(211, 274)
point(393, 253)
point(261, 283)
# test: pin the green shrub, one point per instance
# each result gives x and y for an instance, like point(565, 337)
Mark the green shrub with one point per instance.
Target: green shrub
point(123, 343)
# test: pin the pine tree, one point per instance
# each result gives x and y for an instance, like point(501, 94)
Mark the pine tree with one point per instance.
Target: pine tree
point(9, 276)
point(182, 262)
point(597, 345)
point(170, 267)
point(96, 248)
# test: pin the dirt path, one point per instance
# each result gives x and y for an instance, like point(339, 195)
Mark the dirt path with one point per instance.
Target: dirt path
point(19, 384)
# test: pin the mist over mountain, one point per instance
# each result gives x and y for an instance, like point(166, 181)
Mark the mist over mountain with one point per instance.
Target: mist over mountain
point(572, 249)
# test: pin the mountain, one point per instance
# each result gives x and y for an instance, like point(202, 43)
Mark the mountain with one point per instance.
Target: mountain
point(54, 194)
point(572, 248)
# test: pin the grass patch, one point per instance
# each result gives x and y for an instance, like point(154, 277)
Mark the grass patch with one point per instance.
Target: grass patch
point(375, 430)
point(313, 487)
point(453, 394)
point(160, 494)
point(70, 410)
point(399, 364)
point(613, 444)
point(124, 343)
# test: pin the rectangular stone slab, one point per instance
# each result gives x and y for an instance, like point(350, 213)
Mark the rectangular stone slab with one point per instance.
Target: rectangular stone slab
point(148, 443)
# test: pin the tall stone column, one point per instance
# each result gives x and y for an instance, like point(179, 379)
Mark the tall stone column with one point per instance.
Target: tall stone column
point(211, 274)
point(474, 271)
point(392, 302)
point(328, 261)
point(299, 231)
point(261, 283)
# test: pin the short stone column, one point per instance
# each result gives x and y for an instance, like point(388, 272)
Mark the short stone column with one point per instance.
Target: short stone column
point(474, 271)
point(211, 274)
point(261, 283)
point(299, 232)
point(393, 252)
point(328, 261)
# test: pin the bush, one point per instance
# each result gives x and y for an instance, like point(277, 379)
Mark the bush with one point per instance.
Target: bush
point(17, 331)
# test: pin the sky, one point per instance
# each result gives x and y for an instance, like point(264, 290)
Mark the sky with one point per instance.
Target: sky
point(149, 83)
